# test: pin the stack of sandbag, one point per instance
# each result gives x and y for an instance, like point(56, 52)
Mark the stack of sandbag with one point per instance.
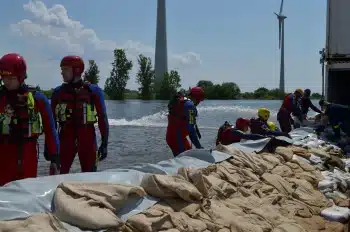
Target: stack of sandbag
point(249, 192)
point(88, 206)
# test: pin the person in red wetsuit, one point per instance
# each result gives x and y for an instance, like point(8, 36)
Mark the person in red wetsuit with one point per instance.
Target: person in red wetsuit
point(228, 134)
point(291, 106)
point(77, 106)
point(182, 121)
point(24, 115)
point(260, 125)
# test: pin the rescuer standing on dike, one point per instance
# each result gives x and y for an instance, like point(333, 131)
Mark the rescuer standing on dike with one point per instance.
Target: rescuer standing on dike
point(77, 106)
point(290, 106)
point(182, 121)
point(24, 115)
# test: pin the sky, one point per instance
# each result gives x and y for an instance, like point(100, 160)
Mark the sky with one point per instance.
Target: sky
point(222, 41)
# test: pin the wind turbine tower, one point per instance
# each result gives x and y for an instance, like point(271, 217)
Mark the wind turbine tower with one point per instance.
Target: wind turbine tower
point(281, 19)
point(161, 53)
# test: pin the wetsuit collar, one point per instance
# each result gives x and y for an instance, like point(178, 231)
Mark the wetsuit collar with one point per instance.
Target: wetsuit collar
point(76, 85)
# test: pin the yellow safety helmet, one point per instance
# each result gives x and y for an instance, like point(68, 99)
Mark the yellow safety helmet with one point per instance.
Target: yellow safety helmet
point(272, 126)
point(300, 91)
point(264, 113)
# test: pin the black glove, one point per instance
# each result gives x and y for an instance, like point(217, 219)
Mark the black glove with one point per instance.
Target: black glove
point(287, 135)
point(55, 162)
point(46, 153)
point(102, 150)
point(54, 158)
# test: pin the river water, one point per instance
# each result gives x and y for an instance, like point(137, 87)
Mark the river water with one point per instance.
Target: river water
point(137, 129)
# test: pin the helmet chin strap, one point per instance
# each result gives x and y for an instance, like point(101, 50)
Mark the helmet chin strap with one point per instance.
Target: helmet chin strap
point(74, 80)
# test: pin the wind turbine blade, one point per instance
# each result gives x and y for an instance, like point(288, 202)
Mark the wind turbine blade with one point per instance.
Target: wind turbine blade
point(280, 33)
point(281, 8)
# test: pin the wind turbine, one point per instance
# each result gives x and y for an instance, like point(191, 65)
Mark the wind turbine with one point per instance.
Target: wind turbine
point(281, 19)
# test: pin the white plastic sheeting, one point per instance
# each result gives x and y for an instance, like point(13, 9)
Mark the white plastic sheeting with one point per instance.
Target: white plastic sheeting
point(23, 198)
point(26, 197)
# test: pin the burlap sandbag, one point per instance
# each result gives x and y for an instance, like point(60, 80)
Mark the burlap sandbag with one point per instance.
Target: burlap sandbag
point(38, 223)
point(93, 205)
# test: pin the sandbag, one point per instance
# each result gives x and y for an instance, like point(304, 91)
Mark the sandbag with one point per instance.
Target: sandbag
point(44, 222)
point(93, 205)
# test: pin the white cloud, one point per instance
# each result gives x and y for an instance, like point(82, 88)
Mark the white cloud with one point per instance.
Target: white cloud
point(52, 30)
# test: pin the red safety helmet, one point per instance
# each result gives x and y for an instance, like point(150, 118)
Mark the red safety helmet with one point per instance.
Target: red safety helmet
point(197, 94)
point(76, 62)
point(13, 64)
point(242, 123)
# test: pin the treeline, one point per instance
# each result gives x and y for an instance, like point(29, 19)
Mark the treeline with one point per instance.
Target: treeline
point(115, 85)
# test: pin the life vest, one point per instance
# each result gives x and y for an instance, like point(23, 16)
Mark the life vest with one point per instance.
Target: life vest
point(288, 102)
point(258, 126)
point(176, 109)
point(75, 106)
point(21, 120)
point(225, 136)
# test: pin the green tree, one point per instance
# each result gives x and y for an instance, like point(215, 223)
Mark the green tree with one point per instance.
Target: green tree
point(227, 90)
point(145, 77)
point(261, 93)
point(230, 90)
point(169, 85)
point(116, 83)
point(48, 93)
point(316, 96)
point(37, 88)
point(247, 95)
point(276, 94)
point(92, 74)
point(205, 84)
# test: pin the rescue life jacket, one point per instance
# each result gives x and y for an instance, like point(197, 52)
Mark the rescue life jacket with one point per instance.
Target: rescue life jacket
point(75, 106)
point(176, 108)
point(225, 136)
point(22, 119)
point(258, 126)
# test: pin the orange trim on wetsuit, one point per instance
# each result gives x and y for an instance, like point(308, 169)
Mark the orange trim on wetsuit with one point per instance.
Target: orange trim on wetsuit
point(74, 106)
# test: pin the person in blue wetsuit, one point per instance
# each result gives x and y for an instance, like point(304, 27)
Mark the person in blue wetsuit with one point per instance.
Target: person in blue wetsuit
point(182, 121)
point(77, 106)
point(227, 134)
point(338, 116)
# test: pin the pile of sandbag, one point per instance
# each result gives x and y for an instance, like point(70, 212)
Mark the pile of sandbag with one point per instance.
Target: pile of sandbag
point(248, 192)
point(335, 172)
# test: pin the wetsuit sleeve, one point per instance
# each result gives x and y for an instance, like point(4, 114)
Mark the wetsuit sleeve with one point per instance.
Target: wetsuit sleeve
point(247, 136)
point(51, 138)
point(314, 108)
point(269, 132)
point(99, 103)
point(191, 114)
point(54, 104)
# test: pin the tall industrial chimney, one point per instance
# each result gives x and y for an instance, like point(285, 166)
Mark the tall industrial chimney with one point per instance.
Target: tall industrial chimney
point(161, 54)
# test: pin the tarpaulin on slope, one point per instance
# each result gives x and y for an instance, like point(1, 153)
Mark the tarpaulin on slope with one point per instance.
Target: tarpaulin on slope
point(23, 198)
point(26, 197)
